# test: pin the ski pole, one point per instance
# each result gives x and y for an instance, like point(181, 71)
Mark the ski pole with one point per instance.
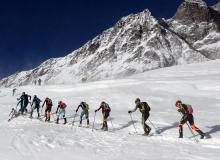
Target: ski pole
point(133, 123)
point(41, 111)
point(73, 120)
point(192, 133)
point(196, 140)
point(111, 122)
point(51, 114)
point(158, 130)
point(11, 111)
point(93, 125)
point(153, 124)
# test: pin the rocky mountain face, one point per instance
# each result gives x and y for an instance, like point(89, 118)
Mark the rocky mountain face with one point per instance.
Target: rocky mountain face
point(135, 44)
point(199, 25)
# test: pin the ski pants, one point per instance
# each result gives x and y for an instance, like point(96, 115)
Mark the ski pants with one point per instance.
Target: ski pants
point(24, 107)
point(86, 113)
point(35, 107)
point(145, 116)
point(189, 119)
point(48, 112)
point(105, 118)
point(61, 113)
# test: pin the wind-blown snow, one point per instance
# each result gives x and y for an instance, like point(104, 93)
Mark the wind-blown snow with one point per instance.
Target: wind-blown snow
point(195, 84)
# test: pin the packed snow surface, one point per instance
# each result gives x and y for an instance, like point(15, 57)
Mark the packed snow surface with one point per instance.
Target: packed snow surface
point(196, 84)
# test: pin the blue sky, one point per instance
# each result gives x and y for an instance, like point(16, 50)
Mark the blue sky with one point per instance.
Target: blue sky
point(32, 31)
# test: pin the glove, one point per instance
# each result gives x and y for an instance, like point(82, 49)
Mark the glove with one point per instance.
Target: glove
point(179, 110)
point(129, 112)
point(96, 110)
point(76, 111)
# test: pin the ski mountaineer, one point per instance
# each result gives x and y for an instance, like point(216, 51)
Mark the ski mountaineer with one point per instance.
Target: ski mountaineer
point(187, 116)
point(61, 112)
point(39, 82)
point(105, 112)
point(23, 101)
point(35, 105)
point(85, 111)
point(13, 91)
point(145, 110)
point(48, 109)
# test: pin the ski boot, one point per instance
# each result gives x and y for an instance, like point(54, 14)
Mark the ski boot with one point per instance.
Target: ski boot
point(148, 131)
point(80, 124)
point(38, 116)
point(65, 121)
point(202, 135)
point(180, 132)
point(87, 126)
point(180, 136)
point(105, 127)
point(57, 121)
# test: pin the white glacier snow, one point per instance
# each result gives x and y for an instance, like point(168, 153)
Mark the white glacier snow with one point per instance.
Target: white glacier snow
point(195, 84)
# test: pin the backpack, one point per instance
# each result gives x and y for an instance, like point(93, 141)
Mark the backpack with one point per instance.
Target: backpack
point(86, 106)
point(37, 101)
point(145, 107)
point(49, 102)
point(107, 108)
point(63, 105)
point(190, 109)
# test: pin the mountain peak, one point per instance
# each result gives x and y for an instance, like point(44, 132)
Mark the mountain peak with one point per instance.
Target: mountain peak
point(199, 2)
point(142, 17)
point(191, 11)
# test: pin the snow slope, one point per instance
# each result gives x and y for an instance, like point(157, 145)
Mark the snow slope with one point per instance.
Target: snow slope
point(196, 84)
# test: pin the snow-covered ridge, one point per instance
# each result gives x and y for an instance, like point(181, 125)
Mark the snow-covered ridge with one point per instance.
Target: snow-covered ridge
point(135, 44)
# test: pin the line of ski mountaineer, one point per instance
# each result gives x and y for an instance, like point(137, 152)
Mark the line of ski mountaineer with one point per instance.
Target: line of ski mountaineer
point(185, 110)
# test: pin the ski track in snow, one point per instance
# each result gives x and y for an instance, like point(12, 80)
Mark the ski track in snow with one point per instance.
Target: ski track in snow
point(198, 84)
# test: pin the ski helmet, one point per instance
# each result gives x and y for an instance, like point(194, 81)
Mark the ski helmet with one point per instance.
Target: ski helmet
point(137, 100)
point(35, 96)
point(178, 102)
point(102, 103)
point(23, 93)
point(59, 102)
